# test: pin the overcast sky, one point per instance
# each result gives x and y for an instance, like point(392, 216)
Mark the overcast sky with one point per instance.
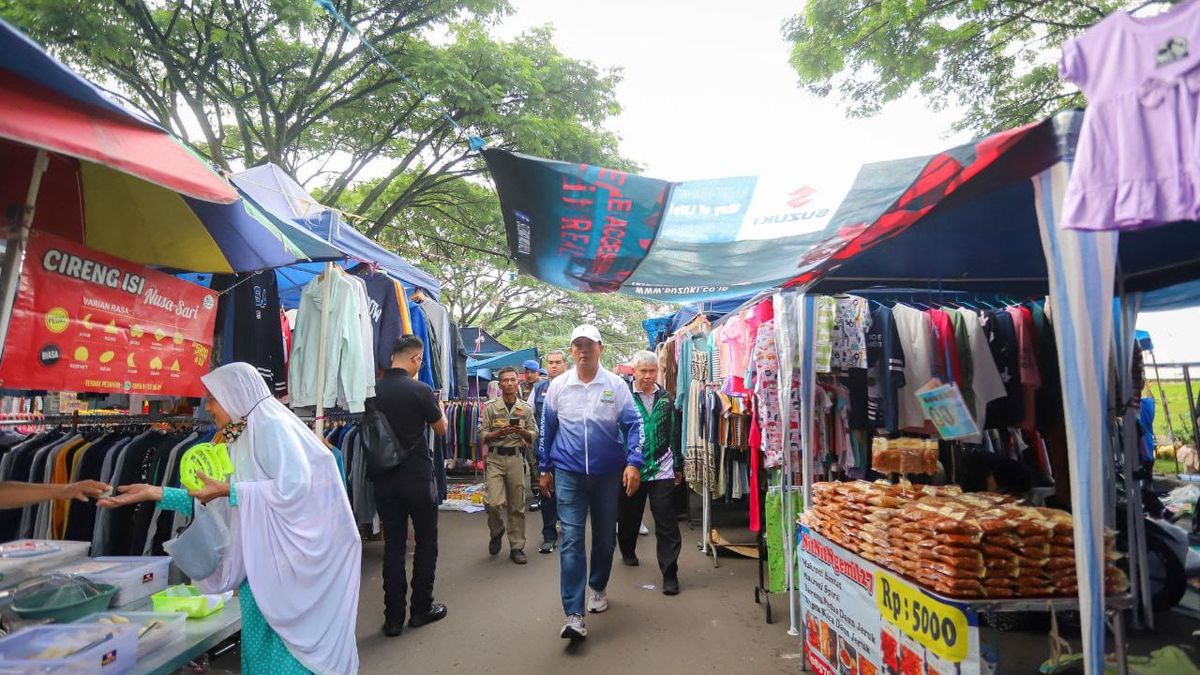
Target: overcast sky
point(708, 93)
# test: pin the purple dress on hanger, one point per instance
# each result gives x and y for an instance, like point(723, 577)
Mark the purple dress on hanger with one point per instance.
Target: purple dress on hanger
point(1136, 165)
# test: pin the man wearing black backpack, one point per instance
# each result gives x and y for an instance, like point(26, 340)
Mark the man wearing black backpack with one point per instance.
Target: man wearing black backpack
point(408, 490)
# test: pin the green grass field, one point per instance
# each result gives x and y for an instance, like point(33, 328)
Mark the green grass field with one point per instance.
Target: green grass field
point(1176, 395)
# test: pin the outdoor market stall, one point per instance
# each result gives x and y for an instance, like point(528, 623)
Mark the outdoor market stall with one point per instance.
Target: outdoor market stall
point(105, 183)
point(1004, 188)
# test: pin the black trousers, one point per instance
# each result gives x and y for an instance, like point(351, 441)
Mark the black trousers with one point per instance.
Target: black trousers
point(400, 497)
point(666, 525)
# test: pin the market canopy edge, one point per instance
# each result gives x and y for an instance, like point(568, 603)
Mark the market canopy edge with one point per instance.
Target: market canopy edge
point(595, 229)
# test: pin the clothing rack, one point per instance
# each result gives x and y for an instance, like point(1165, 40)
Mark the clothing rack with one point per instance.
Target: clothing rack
point(76, 420)
point(333, 416)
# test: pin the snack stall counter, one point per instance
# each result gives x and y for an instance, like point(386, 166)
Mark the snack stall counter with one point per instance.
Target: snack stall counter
point(895, 577)
point(860, 618)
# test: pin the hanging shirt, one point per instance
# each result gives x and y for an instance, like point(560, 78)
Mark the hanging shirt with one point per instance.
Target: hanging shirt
point(1031, 378)
point(916, 338)
point(734, 334)
point(945, 362)
point(421, 329)
point(986, 383)
point(349, 349)
point(962, 345)
point(1008, 411)
point(1135, 164)
point(251, 329)
point(884, 377)
point(852, 320)
point(386, 323)
point(823, 333)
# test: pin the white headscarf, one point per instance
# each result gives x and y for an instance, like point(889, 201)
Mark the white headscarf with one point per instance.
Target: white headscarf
point(293, 535)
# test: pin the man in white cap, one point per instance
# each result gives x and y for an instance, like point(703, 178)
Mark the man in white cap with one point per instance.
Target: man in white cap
point(590, 448)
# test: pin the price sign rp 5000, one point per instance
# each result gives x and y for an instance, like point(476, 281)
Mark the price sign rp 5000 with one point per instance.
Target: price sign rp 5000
point(940, 627)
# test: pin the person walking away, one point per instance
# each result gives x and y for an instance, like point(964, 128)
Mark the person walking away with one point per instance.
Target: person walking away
point(556, 364)
point(408, 491)
point(662, 470)
point(507, 427)
point(592, 446)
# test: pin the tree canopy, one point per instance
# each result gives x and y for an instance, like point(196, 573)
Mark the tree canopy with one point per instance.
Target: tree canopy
point(997, 60)
point(249, 81)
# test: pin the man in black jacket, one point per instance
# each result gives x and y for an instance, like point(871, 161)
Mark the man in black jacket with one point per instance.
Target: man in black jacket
point(408, 491)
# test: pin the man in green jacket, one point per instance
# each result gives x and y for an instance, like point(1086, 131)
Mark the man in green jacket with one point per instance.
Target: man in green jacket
point(661, 472)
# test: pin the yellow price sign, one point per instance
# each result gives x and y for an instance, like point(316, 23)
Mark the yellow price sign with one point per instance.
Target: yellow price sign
point(941, 628)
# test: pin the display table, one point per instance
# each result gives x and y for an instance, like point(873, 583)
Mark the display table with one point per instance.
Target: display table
point(200, 635)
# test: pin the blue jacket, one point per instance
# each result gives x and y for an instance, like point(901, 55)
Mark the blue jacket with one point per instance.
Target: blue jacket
point(591, 428)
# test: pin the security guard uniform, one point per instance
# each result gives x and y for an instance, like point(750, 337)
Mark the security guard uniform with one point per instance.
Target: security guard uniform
point(506, 468)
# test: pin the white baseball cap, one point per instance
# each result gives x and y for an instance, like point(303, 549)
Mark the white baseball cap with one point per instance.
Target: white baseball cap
point(586, 331)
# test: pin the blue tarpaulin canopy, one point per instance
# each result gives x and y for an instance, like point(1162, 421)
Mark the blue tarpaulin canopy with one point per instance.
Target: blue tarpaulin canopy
point(485, 367)
point(278, 193)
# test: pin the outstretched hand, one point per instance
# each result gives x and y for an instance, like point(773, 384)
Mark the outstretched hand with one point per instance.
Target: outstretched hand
point(132, 494)
point(211, 489)
point(83, 490)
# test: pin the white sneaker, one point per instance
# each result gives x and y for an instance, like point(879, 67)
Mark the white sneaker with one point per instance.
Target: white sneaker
point(597, 601)
point(643, 530)
point(573, 628)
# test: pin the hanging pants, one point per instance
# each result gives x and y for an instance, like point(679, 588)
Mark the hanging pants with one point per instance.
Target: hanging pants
point(661, 494)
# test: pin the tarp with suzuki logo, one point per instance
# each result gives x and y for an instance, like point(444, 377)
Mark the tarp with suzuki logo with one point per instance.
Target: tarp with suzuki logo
point(595, 230)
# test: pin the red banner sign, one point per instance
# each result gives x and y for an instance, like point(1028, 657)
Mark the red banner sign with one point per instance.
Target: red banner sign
point(86, 321)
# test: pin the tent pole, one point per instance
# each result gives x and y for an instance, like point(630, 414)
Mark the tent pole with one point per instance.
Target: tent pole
point(326, 291)
point(1162, 395)
point(14, 253)
point(1187, 383)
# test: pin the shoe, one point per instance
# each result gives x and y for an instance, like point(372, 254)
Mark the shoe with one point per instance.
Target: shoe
point(671, 586)
point(518, 556)
point(494, 543)
point(643, 530)
point(436, 612)
point(573, 628)
point(630, 560)
point(393, 629)
point(535, 506)
point(546, 547)
point(597, 601)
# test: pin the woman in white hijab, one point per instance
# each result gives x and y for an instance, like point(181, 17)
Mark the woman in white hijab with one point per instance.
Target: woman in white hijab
point(294, 552)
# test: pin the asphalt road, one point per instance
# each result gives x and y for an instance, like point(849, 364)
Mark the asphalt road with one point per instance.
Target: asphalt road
point(504, 618)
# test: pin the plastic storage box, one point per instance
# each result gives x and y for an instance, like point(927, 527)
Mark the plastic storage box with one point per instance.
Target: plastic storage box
point(73, 648)
point(169, 627)
point(27, 558)
point(189, 600)
point(136, 577)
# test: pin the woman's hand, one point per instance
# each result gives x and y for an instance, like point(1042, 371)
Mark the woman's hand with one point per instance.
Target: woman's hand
point(133, 494)
point(211, 489)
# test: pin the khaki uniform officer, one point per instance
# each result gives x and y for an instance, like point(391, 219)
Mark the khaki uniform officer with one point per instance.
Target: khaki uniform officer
point(508, 428)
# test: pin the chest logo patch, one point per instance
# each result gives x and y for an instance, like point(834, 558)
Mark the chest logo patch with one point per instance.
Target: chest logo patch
point(608, 396)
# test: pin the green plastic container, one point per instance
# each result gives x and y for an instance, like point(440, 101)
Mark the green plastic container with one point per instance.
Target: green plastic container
point(188, 600)
point(52, 604)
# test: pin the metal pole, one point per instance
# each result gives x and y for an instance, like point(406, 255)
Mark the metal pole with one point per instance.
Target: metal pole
point(14, 252)
point(326, 291)
point(1118, 629)
point(1162, 395)
point(1187, 382)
